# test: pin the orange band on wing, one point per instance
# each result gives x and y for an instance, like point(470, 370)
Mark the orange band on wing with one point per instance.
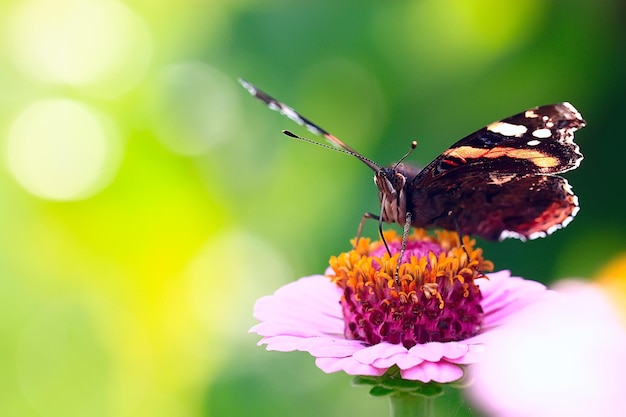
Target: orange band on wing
point(538, 158)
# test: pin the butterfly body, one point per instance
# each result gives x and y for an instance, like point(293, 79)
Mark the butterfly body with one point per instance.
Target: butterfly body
point(499, 182)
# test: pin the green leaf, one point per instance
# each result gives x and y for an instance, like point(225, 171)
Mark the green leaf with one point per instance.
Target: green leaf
point(365, 380)
point(379, 391)
point(429, 390)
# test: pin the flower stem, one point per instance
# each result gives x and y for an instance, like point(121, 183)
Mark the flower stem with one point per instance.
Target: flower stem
point(407, 405)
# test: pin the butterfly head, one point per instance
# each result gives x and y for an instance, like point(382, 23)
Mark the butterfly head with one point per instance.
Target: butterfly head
point(391, 183)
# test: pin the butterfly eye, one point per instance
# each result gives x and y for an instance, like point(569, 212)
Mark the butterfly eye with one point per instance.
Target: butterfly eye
point(384, 182)
point(389, 181)
point(399, 182)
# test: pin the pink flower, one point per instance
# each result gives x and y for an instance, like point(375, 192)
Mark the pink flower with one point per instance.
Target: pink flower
point(562, 356)
point(428, 321)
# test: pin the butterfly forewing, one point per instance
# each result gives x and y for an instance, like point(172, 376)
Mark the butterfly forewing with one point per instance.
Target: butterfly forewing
point(537, 141)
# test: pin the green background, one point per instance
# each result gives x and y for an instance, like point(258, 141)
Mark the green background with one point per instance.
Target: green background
point(132, 294)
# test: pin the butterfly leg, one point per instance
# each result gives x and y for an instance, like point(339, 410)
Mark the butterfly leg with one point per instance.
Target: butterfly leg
point(458, 232)
point(365, 217)
point(405, 238)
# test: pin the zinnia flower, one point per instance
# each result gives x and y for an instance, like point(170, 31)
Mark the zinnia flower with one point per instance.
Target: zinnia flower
point(423, 320)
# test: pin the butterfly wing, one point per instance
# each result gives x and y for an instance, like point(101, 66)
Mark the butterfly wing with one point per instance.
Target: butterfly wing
point(499, 182)
point(500, 206)
point(537, 141)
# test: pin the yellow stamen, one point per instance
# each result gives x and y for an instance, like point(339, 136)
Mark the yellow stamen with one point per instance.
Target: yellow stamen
point(375, 274)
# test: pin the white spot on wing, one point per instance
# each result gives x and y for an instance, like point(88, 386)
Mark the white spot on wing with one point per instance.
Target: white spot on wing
point(511, 234)
point(531, 114)
point(570, 218)
point(533, 142)
point(537, 235)
point(499, 179)
point(573, 110)
point(291, 113)
point(542, 133)
point(247, 86)
point(507, 129)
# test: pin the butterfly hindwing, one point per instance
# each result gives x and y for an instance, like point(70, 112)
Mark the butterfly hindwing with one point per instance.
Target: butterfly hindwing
point(507, 205)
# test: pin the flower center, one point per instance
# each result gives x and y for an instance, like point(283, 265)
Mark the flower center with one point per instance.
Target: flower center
point(432, 299)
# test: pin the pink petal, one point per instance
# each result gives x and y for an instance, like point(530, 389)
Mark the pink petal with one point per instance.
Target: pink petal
point(299, 298)
point(273, 328)
point(428, 371)
point(348, 365)
point(501, 287)
point(380, 351)
point(397, 359)
point(315, 290)
point(324, 347)
point(282, 343)
point(504, 296)
point(409, 361)
point(382, 355)
point(435, 351)
point(307, 307)
point(432, 351)
point(473, 355)
point(455, 350)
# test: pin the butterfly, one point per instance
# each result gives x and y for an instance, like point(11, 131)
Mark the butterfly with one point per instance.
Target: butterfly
point(499, 182)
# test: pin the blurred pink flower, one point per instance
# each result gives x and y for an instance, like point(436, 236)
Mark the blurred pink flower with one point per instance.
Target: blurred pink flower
point(563, 356)
point(317, 315)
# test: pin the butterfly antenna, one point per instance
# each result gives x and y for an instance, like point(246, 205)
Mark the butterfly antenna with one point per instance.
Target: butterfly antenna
point(290, 113)
point(406, 155)
point(368, 162)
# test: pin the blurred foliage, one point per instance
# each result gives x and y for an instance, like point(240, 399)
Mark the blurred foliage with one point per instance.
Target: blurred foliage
point(148, 200)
